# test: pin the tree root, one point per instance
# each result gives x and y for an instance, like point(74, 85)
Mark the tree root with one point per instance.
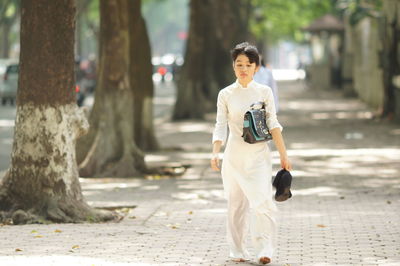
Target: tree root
point(126, 167)
point(63, 212)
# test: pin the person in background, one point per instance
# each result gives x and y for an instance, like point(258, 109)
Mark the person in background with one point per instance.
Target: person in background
point(264, 76)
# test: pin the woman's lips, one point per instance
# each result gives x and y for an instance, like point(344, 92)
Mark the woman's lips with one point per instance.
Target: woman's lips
point(243, 75)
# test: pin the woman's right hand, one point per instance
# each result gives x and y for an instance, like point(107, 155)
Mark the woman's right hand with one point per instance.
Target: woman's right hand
point(215, 163)
point(285, 163)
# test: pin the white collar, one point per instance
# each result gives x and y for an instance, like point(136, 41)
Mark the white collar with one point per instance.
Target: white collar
point(250, 85)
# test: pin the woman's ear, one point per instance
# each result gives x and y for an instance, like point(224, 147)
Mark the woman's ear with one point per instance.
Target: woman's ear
point(257, 68)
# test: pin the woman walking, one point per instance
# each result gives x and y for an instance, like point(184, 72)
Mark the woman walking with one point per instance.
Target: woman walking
point(247, 168)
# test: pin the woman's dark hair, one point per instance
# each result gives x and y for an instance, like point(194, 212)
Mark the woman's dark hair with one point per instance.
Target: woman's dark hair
point(248, 50)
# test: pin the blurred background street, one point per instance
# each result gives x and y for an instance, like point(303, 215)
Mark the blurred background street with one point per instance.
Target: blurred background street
point(148, 73)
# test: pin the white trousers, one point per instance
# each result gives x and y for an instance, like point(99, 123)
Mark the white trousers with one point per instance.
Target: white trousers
point(262, 226)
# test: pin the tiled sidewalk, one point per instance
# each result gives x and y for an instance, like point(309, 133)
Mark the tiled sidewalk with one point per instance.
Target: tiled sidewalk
point(345, 208)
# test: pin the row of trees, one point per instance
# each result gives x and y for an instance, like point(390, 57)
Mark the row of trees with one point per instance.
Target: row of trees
point(42, 181)
point(216, 26)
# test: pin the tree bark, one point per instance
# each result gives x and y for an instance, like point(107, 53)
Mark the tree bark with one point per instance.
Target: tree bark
point(232, 28)
point(42, 182)
point(113, 151)
point(5, 51)
point(141, 79)
point(215, 27)
point(196, 78)
point(390, 58)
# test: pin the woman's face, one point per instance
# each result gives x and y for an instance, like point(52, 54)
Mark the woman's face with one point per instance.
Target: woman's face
point(244, 70)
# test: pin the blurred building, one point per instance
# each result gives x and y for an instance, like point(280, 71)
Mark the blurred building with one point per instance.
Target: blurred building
point(326, 41)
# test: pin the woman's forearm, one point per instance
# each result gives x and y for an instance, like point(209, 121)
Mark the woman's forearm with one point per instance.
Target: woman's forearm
point(217, 146)
point(278, 140)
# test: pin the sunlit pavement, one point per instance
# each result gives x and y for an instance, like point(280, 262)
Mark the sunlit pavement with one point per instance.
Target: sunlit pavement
point(344, 211)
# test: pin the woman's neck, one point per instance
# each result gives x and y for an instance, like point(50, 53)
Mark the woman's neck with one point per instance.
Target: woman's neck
point(244, 83)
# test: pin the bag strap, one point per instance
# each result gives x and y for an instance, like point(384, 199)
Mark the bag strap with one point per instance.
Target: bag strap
point(257, 103)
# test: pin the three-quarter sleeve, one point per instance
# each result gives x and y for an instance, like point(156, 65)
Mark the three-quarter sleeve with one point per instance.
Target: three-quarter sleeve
point(221, 125)
point(272, 120)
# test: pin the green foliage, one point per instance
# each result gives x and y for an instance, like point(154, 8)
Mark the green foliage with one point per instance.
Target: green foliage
point(8, 10)
point(360, 9)
point(283, 19)
point(93, 14)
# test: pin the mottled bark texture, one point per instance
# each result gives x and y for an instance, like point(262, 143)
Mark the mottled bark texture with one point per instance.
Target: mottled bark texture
point(42, 182)
point(215, 27)
point(110, 149)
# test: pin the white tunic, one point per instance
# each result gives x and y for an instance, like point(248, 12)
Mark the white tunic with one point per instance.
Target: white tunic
point(247, 164)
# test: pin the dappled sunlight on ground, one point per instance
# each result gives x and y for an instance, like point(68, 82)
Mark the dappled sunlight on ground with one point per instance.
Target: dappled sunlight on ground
point(316, 191)
point(7, 123)
point(395, 131)
point(383, 152)
point(64, 261)
point(200, 194)
point(342, 115)
point(288, 74)
point(327, 105)
point(346, 183)
point(109, 183)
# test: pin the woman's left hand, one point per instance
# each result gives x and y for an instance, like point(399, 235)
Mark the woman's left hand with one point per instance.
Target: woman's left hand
point(285, 163)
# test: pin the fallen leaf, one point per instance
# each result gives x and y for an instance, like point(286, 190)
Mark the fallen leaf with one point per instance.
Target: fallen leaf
point(17, 249)
point(321, 225)
point(388, 202)
point(34, 232)
point(132, 217)
point(38, 236)
point(57, 231)
point(191, 212)
point(173, 226)
point(341, 197)
point(125, 210)
point(75, 247)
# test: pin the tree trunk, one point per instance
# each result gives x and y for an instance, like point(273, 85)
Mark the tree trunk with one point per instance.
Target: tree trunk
point(42, 182)
point(196, 77)
point(5, 51)
point(215, 27)
point(232, 28)
point(390, 58)
point(113, 151)
point(141, 79)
